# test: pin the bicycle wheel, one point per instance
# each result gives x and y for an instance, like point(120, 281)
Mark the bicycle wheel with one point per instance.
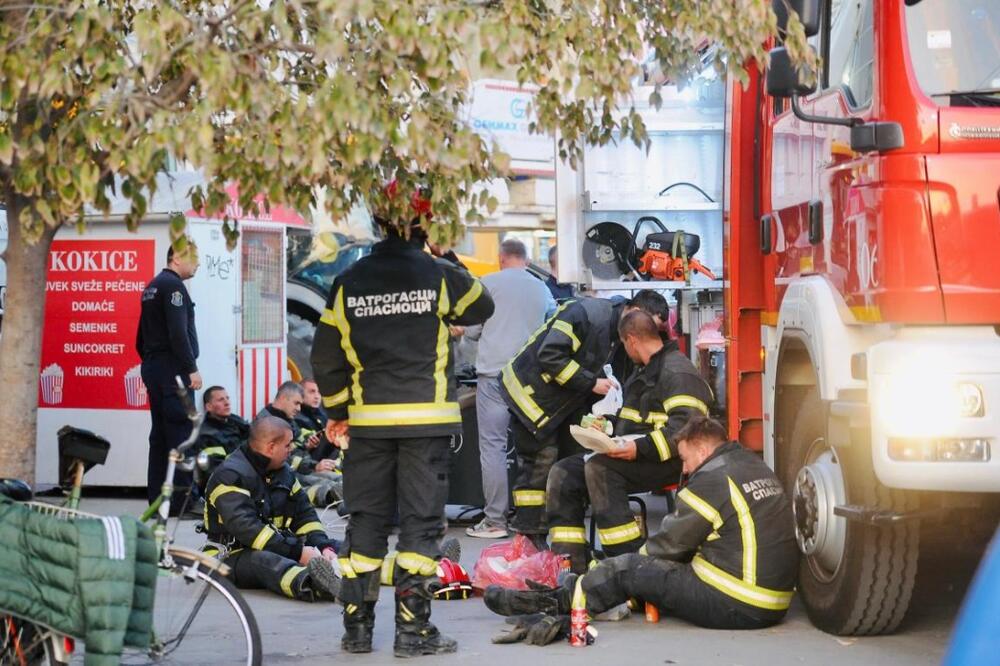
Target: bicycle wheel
point(24, 643)
point(199, 616)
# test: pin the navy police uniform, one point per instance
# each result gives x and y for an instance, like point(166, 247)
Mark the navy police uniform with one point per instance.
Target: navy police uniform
point(167, 343)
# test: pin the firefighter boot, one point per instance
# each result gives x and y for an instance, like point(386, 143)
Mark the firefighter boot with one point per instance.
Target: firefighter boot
point(538, 599)
point(359, 612)
point(415, 635)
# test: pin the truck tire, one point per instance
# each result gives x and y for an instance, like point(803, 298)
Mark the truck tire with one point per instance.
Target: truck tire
point(301, 332)
point(854, 579)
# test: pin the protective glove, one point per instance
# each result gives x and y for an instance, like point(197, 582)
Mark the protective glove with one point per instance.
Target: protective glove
point(535, 629)
point(522, 623)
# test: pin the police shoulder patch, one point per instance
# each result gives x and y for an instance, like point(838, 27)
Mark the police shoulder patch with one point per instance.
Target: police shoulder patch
point(177, 298)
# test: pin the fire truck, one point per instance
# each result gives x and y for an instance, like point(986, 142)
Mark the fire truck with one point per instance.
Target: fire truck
point(850, 229)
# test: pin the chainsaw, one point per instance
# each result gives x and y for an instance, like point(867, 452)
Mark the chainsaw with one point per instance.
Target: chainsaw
point(610, 252)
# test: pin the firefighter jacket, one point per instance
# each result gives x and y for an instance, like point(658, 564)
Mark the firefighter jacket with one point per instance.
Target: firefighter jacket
point(166, 323)
point(300, 461)
point(556, 370)
point(734, 523)
point(658, 400)
point(312, 421)
point(220, 437)
point(250, 507)
point(381, 355)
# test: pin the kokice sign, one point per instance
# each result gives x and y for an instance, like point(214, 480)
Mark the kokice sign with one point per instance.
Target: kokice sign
point(92, 305)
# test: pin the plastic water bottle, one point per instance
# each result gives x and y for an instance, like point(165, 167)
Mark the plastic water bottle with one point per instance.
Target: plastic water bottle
point(578, 617)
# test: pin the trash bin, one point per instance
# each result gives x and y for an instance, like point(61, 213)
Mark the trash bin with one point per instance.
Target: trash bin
point(466, 475)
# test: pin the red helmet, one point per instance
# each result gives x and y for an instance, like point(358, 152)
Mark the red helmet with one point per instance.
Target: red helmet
point(420, 202)
point(455, 583)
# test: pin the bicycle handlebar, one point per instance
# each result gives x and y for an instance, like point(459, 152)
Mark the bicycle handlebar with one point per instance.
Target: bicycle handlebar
point(196, 418)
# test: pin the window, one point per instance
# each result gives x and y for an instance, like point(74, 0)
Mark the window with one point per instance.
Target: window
point(851, 50)
point(263, 286)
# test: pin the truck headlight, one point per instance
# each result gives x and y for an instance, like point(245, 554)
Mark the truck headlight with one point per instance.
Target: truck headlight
point(927, 405)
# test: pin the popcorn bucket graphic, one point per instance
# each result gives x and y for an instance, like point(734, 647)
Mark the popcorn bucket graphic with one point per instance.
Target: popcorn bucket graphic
point(52, 385)
point(135, 390)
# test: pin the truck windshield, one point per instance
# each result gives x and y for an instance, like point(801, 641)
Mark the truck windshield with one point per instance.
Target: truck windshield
point(955, 48)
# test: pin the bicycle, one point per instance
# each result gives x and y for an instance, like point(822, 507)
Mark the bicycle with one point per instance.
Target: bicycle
point(197, 609)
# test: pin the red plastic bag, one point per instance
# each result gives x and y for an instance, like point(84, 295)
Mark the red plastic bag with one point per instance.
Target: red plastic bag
point(511, 563)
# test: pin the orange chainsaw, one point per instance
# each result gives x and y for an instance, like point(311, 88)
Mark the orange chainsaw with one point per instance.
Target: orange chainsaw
point(610, 252)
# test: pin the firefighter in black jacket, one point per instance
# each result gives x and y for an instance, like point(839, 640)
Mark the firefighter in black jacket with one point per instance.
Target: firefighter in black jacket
point(258, 519)
point(659, 398)
point(222, 433)
point(549, 384)
point(726, 559)
point(167, 343)
point(383, 363)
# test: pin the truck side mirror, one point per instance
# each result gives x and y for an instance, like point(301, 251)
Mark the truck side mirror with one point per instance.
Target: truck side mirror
point(784, 79)
point(808, 11)
point(876, 136)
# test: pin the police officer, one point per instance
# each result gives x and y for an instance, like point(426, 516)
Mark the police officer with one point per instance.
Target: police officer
point(383, 363)
point(222, 432)
point(259, 520)
point(659, 398)
point(167, 343)
point(548, 386)
point(726, 559)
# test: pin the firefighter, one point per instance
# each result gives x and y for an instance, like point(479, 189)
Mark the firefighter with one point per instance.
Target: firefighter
point(659, 398)
point(726, 559)
point(550, 385)
point(167, 343)
point(323, 485)
point(312, 419)
point(260, 522)
point(383, 363)
point(222, 432)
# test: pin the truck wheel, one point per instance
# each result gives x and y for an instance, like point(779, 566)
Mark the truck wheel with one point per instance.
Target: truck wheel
point(854, 579)
point(301, 332)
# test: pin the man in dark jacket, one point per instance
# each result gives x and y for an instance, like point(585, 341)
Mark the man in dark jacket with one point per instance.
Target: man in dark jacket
point(259, 520)
point(222, 432)
point(312, 420)
point(167, 343)
point(661, 395)
point(726, 559)
point(383, 362)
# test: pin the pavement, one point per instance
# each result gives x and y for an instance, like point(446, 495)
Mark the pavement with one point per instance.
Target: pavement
point(310, 633)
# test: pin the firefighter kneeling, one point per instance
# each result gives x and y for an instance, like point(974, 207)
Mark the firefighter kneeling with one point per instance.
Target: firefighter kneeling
point(726, 559)
point(260, 522)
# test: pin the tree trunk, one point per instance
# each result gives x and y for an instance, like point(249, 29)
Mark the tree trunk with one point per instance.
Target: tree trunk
point(21, 345)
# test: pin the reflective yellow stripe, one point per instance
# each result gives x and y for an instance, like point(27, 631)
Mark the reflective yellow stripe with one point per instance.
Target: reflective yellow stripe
point(706, 510)
point(286, 580)
point(470, 297)
point(346, 568)
point(568, 535)
point(296, 487)
point(441, 364)
point(210, 550)
point(363, 563)
point(388, 569)
point(684, 401)
point(351, 609)
point(660, 441)
point(613, 536)
point(754, 595)
point(295, 462)
point(416, 564)
point(262, 538)
point(747, 531)
point(329, 317)
point(521, 397)
point(412, 413)
point(546, 377)
point(566, 329)
point(214, 451)
point(657, 418)
point(311, 493)
point(221, 489)
point(529, 498)
point(406, 612)
point(337, 399)
point(630, 414)
point(314, 526)
point(567, 372)
point(340, 321)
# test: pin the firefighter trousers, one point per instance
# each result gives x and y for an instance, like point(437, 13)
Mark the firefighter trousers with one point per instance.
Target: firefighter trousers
point(379, 475)
point(674, 589)
point(261, 569)
point(535, 458)
point(605, 483)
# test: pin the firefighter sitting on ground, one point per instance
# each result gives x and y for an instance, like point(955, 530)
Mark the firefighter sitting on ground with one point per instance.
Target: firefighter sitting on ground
point(261, 524)
point(312, 419)
point(323, 485)
point(726, 559)
point(221, 433)
point(663, 392)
